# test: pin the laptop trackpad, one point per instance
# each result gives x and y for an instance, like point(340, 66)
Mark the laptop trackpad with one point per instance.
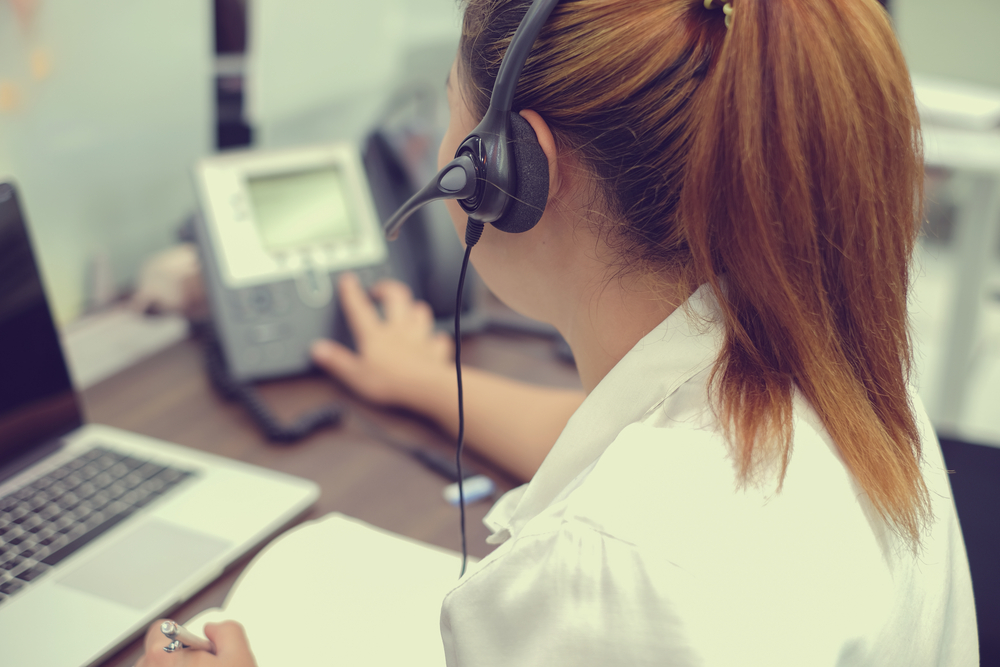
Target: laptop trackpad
point(145, 565)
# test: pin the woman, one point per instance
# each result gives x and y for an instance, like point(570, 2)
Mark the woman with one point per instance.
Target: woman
point(747, 477)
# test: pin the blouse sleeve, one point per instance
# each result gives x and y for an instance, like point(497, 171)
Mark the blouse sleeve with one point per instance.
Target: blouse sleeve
point(567, 596)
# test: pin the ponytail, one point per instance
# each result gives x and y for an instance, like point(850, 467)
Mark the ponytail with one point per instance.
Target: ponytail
point(801, 208)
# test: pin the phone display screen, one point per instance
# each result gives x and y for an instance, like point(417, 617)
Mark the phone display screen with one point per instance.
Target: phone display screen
point(302, 208)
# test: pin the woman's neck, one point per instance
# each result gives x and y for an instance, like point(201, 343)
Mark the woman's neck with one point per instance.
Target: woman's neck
point(610, 316)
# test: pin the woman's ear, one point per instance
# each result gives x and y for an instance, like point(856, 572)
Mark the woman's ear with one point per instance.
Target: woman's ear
point(548, 144)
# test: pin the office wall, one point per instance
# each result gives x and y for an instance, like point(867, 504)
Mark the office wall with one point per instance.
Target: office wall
point(951, 39)
point(324, 70)
point(104, 107)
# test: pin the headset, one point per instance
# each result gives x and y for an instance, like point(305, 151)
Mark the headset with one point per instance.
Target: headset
point(500, 176)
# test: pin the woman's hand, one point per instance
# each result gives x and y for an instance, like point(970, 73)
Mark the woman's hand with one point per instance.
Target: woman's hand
point(399, 357)
point(231, 649)
point(400, 360)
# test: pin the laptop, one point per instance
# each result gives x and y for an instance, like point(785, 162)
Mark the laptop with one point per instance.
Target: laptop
point(101, 530)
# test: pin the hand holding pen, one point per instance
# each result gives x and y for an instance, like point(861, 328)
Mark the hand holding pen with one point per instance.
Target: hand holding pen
point(170, 645)
point(182, 638)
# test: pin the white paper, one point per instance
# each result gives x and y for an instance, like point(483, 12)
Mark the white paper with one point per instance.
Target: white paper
point(339, 591)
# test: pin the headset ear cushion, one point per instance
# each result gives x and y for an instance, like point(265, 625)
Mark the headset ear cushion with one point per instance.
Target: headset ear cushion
point(528, 203)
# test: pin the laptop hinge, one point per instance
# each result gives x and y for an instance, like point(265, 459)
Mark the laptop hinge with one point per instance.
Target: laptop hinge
point(30, 458)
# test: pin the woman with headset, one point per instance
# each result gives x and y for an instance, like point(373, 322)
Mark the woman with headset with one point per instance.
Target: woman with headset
point(747, 477)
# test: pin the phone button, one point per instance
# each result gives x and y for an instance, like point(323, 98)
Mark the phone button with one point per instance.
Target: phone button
point(267, 333)
point(262, 302)
point(259, 300)
point(314, 287)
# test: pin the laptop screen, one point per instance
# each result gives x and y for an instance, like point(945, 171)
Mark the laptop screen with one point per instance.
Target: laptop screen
point(37, 399)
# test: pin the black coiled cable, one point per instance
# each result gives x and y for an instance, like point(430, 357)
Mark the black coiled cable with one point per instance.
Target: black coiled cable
point(244, 394)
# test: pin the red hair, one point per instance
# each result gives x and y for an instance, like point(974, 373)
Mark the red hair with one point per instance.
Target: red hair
point(779, 161)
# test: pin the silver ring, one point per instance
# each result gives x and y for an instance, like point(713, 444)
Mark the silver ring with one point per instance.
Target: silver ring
point(173, 646)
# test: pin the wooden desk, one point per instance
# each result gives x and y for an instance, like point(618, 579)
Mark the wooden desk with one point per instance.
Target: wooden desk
point(168, 396)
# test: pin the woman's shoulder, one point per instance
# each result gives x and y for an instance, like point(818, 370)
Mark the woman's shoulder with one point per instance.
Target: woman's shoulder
point(669, 483)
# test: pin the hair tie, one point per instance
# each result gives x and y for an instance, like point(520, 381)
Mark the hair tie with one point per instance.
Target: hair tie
point(727, 9)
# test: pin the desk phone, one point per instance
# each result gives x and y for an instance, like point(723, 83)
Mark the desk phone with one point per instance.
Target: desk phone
point(275, 230)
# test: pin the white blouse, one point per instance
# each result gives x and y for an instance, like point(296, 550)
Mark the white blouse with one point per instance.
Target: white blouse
point(633, 545)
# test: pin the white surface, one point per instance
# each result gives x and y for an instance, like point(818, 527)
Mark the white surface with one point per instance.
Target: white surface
point(957, 103)
point(100, 345)
point(964, 149)
point(935, 275)
point(973, 158)
point(339, 591)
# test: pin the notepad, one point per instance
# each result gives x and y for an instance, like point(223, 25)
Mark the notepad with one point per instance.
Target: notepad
point(339, 591)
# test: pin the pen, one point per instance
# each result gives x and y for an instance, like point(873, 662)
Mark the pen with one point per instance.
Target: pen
point(184, 638)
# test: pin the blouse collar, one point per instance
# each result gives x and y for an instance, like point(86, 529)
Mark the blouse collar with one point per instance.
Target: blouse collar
point(680, 347)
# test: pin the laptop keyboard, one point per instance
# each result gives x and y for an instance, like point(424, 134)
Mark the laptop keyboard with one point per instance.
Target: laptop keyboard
point(46, 521)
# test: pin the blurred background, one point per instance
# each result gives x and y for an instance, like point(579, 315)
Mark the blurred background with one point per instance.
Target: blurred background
point(106, 105)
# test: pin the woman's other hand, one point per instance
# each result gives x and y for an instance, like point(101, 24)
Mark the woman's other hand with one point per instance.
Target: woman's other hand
point(399, 357)
point(231, 649)
point(401, 360)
